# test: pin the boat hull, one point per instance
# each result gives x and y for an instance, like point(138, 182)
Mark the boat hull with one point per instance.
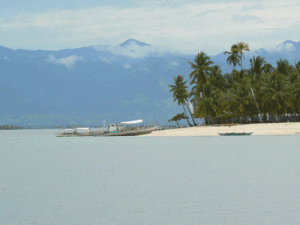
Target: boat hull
point(120, 131)
point(131, 132)
point(78, 135)
point(236, 134)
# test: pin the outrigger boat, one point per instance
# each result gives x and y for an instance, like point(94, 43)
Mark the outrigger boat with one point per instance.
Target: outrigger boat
point(79, 132)
point(118, 130)
point(112, 130)
point(235, 134)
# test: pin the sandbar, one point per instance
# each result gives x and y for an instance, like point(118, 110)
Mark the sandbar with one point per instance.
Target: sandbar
point(257, 129)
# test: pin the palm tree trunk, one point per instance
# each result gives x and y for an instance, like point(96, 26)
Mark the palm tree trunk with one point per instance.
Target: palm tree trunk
point(191, 115)
point(187, 116)
point(242, 63)
point(210, 121)
point(265, 117)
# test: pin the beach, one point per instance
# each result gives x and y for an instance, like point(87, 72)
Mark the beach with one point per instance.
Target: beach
point(257, 129)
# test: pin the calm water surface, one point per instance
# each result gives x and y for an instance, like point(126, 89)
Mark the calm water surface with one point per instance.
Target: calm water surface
point(148, 180)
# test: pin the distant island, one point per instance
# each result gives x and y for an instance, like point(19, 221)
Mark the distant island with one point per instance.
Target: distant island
point(16, 127)
point(10, 127)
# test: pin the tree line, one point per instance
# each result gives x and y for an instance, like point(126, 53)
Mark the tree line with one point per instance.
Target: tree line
point(11, 127)
point(262, 93)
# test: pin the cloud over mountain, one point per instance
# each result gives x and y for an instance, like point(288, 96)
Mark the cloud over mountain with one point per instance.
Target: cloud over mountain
point(69, 62)
point(185, 28)
point(288, 46)
point(133, 49)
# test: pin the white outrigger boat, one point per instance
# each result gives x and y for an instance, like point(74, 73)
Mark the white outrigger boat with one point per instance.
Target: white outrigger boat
point(79, 132)
point(121, 129)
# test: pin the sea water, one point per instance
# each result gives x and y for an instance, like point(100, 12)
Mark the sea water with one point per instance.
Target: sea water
point(148, 180)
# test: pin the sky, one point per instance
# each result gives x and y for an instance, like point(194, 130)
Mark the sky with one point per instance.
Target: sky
point(187, 26)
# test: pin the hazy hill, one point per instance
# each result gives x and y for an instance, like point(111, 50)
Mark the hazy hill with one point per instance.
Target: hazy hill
point(89, 84)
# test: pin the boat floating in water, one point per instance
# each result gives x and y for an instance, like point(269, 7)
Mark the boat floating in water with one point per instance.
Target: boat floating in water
point(121, 129)
point(79, 132)
point(235, 134)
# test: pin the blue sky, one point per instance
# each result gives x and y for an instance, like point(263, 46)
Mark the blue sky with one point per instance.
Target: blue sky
point(185, 26)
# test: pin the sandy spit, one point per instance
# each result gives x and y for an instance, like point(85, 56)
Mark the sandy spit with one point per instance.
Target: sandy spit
point(257, 129)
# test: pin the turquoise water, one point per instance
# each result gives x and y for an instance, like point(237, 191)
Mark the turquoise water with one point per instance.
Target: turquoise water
point(148, 180)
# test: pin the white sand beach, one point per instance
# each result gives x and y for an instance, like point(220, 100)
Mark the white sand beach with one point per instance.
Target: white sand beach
point(257, 129)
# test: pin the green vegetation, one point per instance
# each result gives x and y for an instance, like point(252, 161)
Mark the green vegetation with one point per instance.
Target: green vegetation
point(177, 118)
point(10, 127)
point(262, 93)
point(180, 93)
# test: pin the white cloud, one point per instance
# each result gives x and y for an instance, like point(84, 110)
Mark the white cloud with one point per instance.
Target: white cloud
point(103, 59)
point(254, 7)
point(245, 18)
point(69, 62)
point(189, 27)
point(127, 66)
point(132, 50)
point(285, 47)
point(174, 63)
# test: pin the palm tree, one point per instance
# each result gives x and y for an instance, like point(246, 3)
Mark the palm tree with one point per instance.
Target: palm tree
point(284, 67)
point(242, 46)
point(233, 57)
point(296, 93)
point(257, 68)
point(177, 118)
point(297, 65)
point(234, 78)
point(276, 93)
point(240, 98)
point(257, 64)
point(176, 89)
point(216, 78)
point(293, 75)
point(188, 105)
point(207, 106)
point(256, 72)
point(267, 68)
point(180, 93)
point(200, 68)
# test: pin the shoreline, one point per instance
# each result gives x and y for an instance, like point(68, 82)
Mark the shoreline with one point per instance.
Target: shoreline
point(257, 129)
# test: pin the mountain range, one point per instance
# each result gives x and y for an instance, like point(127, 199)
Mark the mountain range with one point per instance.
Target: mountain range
point(86, 85)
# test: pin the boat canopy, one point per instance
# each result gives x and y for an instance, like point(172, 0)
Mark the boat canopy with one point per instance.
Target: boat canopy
point(82, 128)
point(69, 130)
point(132, 122)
